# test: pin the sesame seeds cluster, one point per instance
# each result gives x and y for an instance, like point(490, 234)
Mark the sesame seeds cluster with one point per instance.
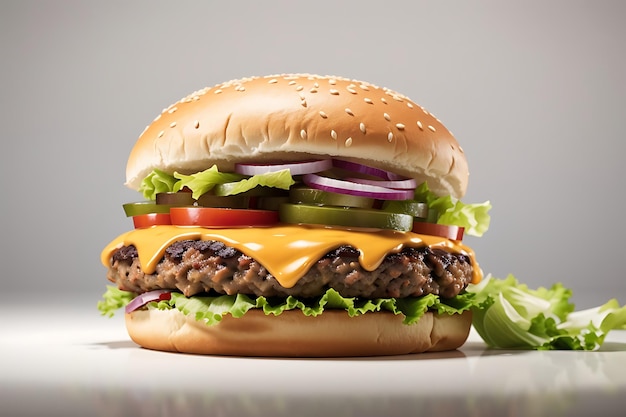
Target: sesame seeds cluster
point(315, 86)
point(288, 116)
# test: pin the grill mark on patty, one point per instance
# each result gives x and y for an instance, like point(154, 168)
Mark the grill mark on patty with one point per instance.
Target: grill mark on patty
point(197, 266)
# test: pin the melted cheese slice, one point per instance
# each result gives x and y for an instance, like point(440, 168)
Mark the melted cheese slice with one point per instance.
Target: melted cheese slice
point(286, 251)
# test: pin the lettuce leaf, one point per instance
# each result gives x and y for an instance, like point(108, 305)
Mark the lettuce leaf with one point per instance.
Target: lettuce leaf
point(473, 217)
point(204, 181)
point(509, 315)
point(224, 184)
point(211, 309)
point(114, 299)
point(506, 314)
point(157, 182)
point(279, 179)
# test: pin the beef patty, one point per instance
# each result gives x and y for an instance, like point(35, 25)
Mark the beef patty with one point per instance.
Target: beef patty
point(195, 266)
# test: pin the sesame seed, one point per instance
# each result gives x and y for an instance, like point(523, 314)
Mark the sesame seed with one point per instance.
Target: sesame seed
point(196, 98)
point(362, 127)
point(302, 96)
point(334, 92)
point(349, 112)
point(419, 124)
point(396, 97)
point(273, 81)
point(351, 90)
point(313, 90)
point(333, 134)
point(324, 115)
point(303, 103)
point(387, 117)
point(364, 87)
point(348, 142)
point(173, 124)
point(332, 81)
point(217, 91)
point(303, 134)
point(400, 126)
point(368, 100)
point(196, 124)
point(161, 133)
point(431, 128)
point(172, 110)
point(299, 88)
point(383, 100)
point(409, 105)
point(316, 85)
point(292, 82)
point(389, 137)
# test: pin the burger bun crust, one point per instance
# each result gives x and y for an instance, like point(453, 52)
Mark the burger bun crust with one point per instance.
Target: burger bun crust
point(292, 117)
point(292, 334)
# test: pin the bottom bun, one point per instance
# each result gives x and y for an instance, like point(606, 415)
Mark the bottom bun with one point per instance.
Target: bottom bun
point(292, 334)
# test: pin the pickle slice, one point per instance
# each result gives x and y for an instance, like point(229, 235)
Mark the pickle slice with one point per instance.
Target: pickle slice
point(314, 196)
point(347, 217)
point(411, 207)
point(180, 198)
point(271, 202)
point(144, 207)
point(230, 201)
point(432, 217)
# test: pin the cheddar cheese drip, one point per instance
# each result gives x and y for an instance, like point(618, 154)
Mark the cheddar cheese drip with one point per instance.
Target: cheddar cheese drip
point(287, 252)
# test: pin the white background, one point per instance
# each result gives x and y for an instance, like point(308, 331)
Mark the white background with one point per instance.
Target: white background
point(533, 90)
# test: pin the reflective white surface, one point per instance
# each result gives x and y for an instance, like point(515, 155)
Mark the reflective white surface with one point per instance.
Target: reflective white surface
point(71, 361)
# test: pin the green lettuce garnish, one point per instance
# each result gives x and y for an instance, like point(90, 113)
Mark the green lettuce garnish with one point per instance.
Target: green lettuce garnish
point(157, 182)
point(221, 183)
point(473, 217)
point(211, 309)
point(279, 179)
point(204, 181)
point(506, 314)
point(509, 315)
point(114, 299)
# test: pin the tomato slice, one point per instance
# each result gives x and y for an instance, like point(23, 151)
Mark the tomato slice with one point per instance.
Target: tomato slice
point(433, 229)
point(221, 217)
point(151, 219)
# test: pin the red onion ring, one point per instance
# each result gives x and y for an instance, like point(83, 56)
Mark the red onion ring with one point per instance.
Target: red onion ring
point(143, 299)
point(352, 188)
point(367, 170)
point(406, 184)
point(296, 168)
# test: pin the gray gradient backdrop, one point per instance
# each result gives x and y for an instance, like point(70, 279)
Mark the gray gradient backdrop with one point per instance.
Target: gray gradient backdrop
point(534, 91)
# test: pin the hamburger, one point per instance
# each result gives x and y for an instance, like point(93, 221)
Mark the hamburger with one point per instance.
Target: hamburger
point(296, 215)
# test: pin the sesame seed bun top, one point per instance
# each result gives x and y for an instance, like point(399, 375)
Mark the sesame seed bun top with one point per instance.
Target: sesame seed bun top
point(292, 117)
